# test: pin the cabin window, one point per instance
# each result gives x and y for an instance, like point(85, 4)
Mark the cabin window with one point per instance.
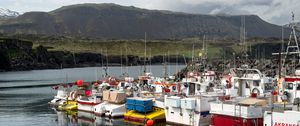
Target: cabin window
point(198, 87)
point(298, 86)
point(289, 86)
point(247, 85)
point(145, 82)
point(269, 86)
point(192, 89)
point(256, 83)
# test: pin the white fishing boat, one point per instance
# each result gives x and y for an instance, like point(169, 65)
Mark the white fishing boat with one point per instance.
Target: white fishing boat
point(191, 106)
point(113, 105)
point(238, 111)
point(286, 112)
point(248, 81)
point(187, 111)
point(61, 96)
point(283, 118)
point(88, 98)
point(289, 88)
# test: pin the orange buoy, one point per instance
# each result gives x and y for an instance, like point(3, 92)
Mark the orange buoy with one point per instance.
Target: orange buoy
point(150, 122)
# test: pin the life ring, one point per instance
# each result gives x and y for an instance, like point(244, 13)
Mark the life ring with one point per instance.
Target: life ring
point(174, 88)
point(73, 95)
point(285, 96)
point(255, 90)
point(286, 93)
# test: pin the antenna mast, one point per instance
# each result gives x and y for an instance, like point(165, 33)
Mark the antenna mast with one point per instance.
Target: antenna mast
point(145, 69)
point(292, 46)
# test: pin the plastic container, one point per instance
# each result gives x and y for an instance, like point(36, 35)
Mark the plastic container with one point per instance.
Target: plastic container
point(130, 103)
point(143, 105)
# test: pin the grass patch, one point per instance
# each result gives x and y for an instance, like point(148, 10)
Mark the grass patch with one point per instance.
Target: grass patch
point(137, 47)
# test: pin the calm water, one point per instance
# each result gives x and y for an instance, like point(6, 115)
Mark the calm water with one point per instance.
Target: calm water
point(26, 103)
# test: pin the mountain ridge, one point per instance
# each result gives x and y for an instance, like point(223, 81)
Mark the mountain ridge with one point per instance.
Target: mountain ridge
point(112, 21)
point(6, 13)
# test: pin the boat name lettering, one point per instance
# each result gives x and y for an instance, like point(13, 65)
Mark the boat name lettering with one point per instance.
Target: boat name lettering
point(284, 124)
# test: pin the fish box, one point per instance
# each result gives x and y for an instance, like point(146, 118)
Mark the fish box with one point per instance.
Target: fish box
point(117, 97)
point(130, 103)
point(173, 101)
point(188, 103)
point(143, 105)
point(106, 95)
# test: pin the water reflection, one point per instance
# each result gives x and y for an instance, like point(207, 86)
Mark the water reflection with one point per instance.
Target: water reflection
point(65, 118)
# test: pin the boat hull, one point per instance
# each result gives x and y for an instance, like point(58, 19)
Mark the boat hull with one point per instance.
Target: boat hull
point(224, 120)
point(86, 106)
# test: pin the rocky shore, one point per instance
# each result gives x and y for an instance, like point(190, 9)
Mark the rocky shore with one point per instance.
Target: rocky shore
point(16, 55)
point(19, 55)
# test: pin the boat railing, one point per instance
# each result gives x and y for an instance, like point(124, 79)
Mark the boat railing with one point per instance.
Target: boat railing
point(243, 71)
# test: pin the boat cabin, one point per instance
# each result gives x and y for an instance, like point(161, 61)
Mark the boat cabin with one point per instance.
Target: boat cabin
point(249, 81)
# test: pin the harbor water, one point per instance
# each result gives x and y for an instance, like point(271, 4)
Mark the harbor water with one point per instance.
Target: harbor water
point(24, 97)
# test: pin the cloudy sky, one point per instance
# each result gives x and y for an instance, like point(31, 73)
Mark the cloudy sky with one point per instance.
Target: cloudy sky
point(274, 11)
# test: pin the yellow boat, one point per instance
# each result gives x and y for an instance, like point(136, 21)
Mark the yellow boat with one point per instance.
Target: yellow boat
point(68, 105)
point(136, 118)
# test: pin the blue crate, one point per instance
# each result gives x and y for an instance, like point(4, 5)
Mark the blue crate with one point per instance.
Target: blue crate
point(143, 105)
point(130, 107)
point(130, 103)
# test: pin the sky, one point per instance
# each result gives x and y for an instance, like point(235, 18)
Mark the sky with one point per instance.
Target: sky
point(273, 11)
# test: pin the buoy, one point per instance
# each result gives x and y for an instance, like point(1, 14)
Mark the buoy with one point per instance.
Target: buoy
point(274, 93)
point(79, 82)
point(88, 92)
point(150, 122)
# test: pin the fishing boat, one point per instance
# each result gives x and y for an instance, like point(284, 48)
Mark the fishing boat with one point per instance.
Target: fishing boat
point(63, 92)
point(282, 118)
point(238, 111)
point(285, 109)
point(248, 81)
point(88, 96)
point(289, 87)
point(68, 105)
point(113, 105)
point(146, 109)
point(191, 105)
point(192, 111)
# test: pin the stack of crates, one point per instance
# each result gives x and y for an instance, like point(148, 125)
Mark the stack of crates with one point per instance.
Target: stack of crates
point(141, 105)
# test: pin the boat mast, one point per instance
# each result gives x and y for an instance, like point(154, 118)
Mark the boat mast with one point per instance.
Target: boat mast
point(145, 53)
point(168, 63)
point(106, 67)
point(150, 61)
point(122, 60)
point(126, 53)
point(102, 62)
point(204, 55)
point(292, 46)
point(243, 39)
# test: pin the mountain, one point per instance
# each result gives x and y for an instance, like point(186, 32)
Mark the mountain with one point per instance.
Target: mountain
point(6, 13)
point(111, 21)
